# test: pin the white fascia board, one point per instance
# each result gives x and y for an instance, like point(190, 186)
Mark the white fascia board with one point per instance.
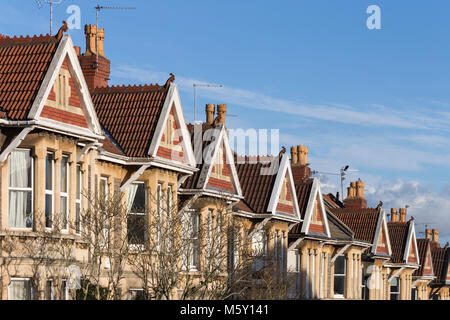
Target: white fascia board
point(281, 174)
point(207, 167)
point(412, 241)
point(230, 159)
point(173, 98)
point(315, 190)
point(15, 143)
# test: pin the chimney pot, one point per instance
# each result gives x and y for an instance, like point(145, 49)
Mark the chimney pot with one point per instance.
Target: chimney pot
point(302, 155)
point(210, 109)
point(402, 214)
point(394, 215)
point(435, 235)
point(429, 233)
point(360, 189)
point(294, 155)
point(221, 112)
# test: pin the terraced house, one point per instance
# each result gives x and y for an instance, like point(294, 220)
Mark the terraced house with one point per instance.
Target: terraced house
point(107, 193)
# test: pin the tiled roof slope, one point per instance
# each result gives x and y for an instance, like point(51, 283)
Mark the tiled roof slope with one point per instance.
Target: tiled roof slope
point(24, 63)
point(440, 261)
point(338, 230)
point(363, 222)
point(422, 246)
point(398, 234)
point(130, 114)
point(256, 188)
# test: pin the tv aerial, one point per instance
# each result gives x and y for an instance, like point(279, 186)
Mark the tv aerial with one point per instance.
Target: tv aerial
point(51, 3)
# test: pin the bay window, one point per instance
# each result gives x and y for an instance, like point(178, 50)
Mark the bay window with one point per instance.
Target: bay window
point(64, 192)
point(137, 208)
point(20, 189)
point(49, 189)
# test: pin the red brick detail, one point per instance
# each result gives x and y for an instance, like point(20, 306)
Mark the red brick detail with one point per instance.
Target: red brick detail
point(382, 248)
point(281, 207)
point(63, 116)
point(169, 154)
point(317, 228)
point(412, 253)
point(427, 265)
point(220, 184)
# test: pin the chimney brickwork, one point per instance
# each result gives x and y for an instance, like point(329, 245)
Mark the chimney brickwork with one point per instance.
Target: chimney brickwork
point(95, 72)
point(299, 163)
point(355, 198)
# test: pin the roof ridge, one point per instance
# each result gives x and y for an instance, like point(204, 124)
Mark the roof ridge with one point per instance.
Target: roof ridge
point(21, 40)
point(128, 88)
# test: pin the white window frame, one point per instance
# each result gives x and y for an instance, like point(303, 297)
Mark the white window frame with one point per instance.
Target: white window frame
point(282, 252)
point(31, 189)
point(21, 279)
point(130, 290)
point(338, 295)
point(65, 195)
point(138, 245)
point(64, 290)
point(159, 194)
point(105, 231)
point(194, 254)
point(397, 293)
point(50, 192)
point(78, 200)
point(52, 290)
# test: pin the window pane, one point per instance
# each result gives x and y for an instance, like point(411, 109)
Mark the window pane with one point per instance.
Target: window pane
point(19, 290)
point(139, 199)
point(20, 209)
point(63, 204)
point(339, 265)
point(339, 284)
point(20, 169)
point(49, 172)
point(49, 290)
point(78, 192)
point(64, 163)
point(136, 229)
point(48, 210)
point(77, 218)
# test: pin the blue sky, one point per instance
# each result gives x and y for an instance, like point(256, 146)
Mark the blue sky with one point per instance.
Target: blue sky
point(377, 100)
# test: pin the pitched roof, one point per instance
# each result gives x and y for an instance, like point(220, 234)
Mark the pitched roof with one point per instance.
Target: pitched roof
point(440, 261)
point(303, 192)
point(24, 63)
point(398, 234)
point(363, 222)
point(130, 114)
point(256, 188)
point(338, 229)
point(422, 246)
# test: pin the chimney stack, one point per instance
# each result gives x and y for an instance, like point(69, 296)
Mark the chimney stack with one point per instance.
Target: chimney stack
point(435, 235)
point(429, 233)
point(294, 155)
point(221, 112)
point(210, 109)
point(402, 212)
point(355, 198)
point(299, 163)
point(394, 215)
point(96, 74)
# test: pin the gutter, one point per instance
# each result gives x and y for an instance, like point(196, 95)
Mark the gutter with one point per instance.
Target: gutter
point(15, 142)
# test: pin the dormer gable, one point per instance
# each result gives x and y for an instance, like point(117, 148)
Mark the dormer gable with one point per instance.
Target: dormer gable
point(411, 254)
point(315, 220)
point(381, 243)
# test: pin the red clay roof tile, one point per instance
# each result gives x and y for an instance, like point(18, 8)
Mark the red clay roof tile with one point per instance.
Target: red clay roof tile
point(398, 234)
point(363, 222)
point(24, 62)
point(130, 114)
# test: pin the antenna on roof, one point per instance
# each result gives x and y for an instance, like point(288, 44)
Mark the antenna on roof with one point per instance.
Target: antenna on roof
point(50, 3)
point(97, 9)
point(207, 85)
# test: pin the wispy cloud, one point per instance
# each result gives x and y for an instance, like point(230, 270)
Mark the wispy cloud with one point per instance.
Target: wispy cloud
point(376, 115)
